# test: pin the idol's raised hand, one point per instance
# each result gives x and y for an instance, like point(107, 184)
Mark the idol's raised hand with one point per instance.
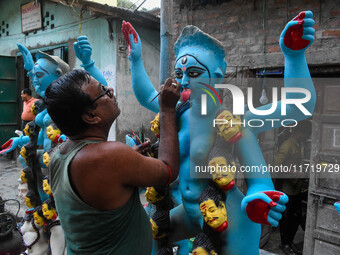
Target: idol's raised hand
point(83, 50)
point(133, 41)
point(265, 207)
point(298, 34)
point(28, 59)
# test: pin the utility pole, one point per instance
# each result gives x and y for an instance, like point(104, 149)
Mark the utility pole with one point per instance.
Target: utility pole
point(166, 40)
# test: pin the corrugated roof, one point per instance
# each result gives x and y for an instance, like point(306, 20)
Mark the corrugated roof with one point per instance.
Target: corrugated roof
point(107, 11)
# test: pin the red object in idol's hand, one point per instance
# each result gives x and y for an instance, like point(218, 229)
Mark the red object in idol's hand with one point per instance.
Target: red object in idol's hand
point(258, 209)
point(127, 30)
point(293, 37)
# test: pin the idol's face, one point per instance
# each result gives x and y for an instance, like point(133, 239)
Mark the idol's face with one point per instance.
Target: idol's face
point(154, 229)
point(224, 173)
point(202, 251)
point(44, 73)
point(52, 132)
point(214, 216)
point(23, 152)
point(22, 191)
point(38, 219)
point(27, 130)
point(155, 125)
point(189, 73)
point(48, 213)
point(23, 176)
point(46, 187)
point(46, 159)
point(228, 130)
point(152, 195)
point(28, 202)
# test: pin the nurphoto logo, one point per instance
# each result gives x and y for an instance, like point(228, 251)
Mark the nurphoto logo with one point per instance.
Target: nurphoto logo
point(239, 102)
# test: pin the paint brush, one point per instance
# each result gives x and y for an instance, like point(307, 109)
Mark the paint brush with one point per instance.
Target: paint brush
point(173, 84)
point(137, 138)
point(155, 96)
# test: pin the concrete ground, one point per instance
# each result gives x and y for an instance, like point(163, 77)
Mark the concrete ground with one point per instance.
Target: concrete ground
point(10, 173)
point(275, 240)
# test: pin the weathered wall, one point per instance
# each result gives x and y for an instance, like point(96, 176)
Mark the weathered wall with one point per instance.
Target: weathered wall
point(250, 31)
point(239, 26)
point(133, 115)
point(65, 31)
point(105, 51)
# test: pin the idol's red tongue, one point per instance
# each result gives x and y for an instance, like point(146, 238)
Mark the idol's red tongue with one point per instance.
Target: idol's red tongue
point(185, 95)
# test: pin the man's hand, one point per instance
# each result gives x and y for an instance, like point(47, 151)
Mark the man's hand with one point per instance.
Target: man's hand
point(28, 59)
point(133, 41)
point(10, 145)
point(170, 93)
point(265, 207)
point(298, 34)
point(144, 147)
point(83, 50)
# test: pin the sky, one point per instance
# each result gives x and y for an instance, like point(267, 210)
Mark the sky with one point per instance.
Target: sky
point(149, 4)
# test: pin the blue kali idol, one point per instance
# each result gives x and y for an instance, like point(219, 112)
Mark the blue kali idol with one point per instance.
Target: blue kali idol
point(201, 58)
point(42, 133)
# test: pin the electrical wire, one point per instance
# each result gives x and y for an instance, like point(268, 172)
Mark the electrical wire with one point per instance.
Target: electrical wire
point(134, 4)
point(5, 201)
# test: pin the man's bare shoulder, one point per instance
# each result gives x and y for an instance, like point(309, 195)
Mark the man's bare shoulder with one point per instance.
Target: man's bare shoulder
point(96, 172)
point(102, 152)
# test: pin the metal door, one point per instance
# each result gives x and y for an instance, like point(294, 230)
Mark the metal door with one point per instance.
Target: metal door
point(322, 234)
point(9, 95)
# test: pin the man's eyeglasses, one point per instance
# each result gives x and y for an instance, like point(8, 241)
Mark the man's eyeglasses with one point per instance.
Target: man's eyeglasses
point(106, 91)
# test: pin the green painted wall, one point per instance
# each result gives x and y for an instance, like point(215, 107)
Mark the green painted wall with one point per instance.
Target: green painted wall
point(106, 51)
point(65, 31)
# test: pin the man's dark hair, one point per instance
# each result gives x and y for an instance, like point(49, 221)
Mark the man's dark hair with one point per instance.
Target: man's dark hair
point(66, 102)
point(27, 91)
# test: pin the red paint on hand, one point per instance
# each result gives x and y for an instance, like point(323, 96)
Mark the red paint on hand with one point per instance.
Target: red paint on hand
point(258, 209)
point(128, 30)
point(293, 37)
point(6, 146)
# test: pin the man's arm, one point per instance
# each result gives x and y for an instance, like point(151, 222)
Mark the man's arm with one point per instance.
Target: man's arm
point(166, 168)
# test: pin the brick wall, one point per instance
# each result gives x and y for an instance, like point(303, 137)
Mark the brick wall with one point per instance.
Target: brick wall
point(238, 24)
point(250, 31)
